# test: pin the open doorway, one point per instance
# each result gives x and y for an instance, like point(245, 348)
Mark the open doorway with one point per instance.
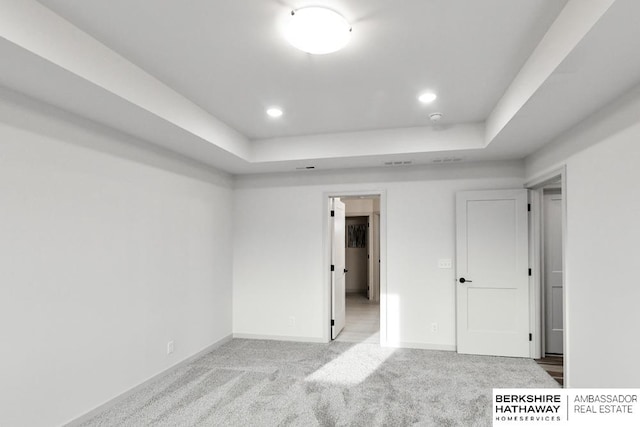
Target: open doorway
point(362, 270)
point(549, 225)
point(357, 256)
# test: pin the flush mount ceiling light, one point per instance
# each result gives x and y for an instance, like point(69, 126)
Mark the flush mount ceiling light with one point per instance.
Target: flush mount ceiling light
point(427, 97)
point(274, 112)
point(317, 30)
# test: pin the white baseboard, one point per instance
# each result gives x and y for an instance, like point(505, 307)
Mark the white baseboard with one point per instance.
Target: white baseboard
point(279, 338)
point(422, 346)
point(112, 402)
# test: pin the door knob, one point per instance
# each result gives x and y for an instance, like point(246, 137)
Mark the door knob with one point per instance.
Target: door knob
point(463, 280)
point(346, 271)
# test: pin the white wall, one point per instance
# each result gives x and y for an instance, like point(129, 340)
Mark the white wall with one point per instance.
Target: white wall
point(279, 257)
point(603, 208)
point(108, 249)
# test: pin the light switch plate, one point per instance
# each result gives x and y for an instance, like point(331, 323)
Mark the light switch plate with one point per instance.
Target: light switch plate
point(445, 263)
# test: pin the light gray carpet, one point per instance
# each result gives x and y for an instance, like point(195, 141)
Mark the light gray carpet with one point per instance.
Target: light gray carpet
point(272, 383)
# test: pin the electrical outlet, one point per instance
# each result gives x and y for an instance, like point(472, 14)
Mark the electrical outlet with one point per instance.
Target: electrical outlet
point(445, 263)
point(434, 327)
point(170, 347)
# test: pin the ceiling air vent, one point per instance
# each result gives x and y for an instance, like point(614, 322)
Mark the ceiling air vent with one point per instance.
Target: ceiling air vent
point(448, 160)
point(398, 163)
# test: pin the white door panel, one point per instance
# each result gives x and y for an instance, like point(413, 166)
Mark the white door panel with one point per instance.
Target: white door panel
point(492, 265)
point(338, 303)
point(490, 225)
point(553, 273)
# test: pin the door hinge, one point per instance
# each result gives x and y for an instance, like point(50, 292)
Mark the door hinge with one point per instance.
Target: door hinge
point(530, 337)
point(333, 213)
point(529, 272)
point(333, 322)
point(333, 267)
point(529, 207)
point(367, 256)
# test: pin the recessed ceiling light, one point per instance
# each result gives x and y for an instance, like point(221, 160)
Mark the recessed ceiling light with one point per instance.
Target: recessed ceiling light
point(427, 97)
point(274, 112)
point(317, 30)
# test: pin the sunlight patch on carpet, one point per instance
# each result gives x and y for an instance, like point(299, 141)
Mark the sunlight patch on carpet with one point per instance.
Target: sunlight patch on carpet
point(353, 366)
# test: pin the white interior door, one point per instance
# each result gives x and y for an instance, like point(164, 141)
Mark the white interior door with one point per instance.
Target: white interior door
point(338, 267)
point(553, 272)
point(492, 266)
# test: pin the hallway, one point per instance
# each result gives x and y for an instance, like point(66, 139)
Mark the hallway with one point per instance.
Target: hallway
point(362, 320)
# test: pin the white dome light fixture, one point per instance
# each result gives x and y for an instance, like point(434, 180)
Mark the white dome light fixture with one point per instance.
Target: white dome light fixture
point(317, 30)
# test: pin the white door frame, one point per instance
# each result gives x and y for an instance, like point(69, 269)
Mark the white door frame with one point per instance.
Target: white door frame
point(326, 262)
point(536, 186)
point(370, 238)
point(376, 256)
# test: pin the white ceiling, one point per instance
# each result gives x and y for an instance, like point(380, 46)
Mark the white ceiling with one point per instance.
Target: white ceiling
point(196, 76)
